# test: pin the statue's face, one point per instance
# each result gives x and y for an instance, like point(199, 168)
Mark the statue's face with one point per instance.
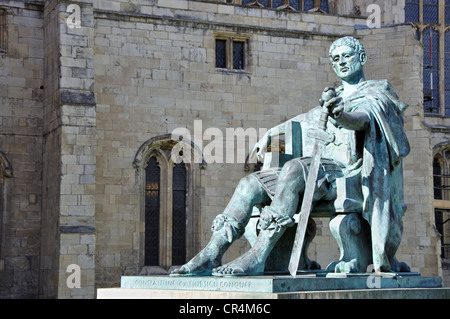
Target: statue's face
point(347, 63)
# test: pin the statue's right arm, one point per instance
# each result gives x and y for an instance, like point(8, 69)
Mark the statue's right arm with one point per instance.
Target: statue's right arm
point(261, 146)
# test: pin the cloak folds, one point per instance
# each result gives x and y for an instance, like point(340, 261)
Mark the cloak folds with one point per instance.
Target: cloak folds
point(385, 143)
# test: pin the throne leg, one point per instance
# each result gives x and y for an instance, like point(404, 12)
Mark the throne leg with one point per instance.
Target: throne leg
point(279, 258)
point(352, 234)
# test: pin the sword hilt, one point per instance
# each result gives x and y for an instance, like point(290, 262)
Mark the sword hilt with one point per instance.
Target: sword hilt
point(327, 95)
point(321, 131)
point(323, 118)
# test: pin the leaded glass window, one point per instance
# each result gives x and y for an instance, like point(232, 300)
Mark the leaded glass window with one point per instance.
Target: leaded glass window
point(152, 211)
point(299, 5)
point(430, 40)
point(179, 214)
point(412, 10)
point(447, 73)
point(159, 224)
point(231, 51)
point(3, 32)
point(437, 178)
point(430, 11)
point(238, 55)
point(324, 6)
point(295, 4)
point(441, 183)
point(447, 11)
point(432, 23)
point(308, 5)
point(221, 53)
point(278, 3)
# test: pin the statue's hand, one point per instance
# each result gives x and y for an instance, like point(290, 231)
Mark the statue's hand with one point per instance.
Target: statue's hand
point(260, 148)
point(328, 93)
point(335, 107)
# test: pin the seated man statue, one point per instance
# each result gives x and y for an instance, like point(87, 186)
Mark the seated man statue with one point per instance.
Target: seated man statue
point(361, 171)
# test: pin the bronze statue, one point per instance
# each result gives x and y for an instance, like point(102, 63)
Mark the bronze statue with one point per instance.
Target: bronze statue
point(360, 173)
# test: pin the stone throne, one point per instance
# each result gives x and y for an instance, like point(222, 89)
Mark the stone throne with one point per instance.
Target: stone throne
point(351, 231)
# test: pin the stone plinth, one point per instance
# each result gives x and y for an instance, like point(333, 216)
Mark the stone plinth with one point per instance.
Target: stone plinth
point(400, 293)
point(279, 287)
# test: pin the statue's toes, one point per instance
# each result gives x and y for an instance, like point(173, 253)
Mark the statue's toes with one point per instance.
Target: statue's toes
point(228, 271)
point(183, 270)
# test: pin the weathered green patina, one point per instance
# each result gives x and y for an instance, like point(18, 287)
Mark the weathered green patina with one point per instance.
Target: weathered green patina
point(359, 183)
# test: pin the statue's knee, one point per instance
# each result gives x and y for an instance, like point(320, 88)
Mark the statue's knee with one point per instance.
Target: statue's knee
point(292, 172)
point(247, 183)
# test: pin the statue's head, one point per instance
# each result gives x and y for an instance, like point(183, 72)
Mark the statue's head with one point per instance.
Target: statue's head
point(348, 57)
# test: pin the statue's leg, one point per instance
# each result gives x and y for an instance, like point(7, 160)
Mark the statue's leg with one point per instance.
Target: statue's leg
point(227, 227)
point(273, 221)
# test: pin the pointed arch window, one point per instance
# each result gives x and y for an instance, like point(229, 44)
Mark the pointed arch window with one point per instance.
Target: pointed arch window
point(441, 181)
point(431, 18)
point(170, 207)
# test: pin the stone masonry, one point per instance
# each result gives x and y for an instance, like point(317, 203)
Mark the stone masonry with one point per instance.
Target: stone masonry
point(81, 105)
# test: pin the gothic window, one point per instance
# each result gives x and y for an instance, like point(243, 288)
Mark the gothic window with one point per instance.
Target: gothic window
point(170, 208)
point(231, 52)
point(3, 32)
point(441, 181)
point(441, 174)
point(432, 21)
point(430, 39)
point(295, 5)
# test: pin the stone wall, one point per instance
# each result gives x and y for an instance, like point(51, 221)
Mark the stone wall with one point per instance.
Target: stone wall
point(70, 170)
point(21, 123)
point(155, 71)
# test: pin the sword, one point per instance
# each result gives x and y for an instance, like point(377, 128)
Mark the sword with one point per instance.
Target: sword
point(321, 136)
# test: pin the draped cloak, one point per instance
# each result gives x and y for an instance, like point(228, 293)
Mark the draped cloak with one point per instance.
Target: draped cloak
point(384, 145)
point(371, 181)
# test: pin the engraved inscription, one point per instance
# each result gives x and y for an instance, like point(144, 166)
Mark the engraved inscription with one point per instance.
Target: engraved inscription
point(169, 283)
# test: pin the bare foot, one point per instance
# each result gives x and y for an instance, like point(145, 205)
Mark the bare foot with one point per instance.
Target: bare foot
point(249, 264)
point(201, 265)
point(208, 258)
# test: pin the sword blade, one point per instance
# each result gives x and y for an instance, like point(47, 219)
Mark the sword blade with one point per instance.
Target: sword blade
point(305, 210)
